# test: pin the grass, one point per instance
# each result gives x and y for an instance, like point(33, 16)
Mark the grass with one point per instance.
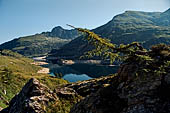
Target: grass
point(34, 45)
point(15, 72)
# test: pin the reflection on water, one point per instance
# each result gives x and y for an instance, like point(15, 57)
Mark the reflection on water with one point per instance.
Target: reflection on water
point(93, 71)
point(79, 72)
point(75, 77)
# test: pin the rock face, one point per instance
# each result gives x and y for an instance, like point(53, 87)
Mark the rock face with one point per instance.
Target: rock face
point(37, 98)
point(32, 99)
point(63, 33)
point(129, 95)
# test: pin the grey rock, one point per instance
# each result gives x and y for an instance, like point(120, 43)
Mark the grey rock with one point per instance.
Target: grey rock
point(32, 97)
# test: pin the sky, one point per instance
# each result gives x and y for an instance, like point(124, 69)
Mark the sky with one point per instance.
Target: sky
point(27, 17)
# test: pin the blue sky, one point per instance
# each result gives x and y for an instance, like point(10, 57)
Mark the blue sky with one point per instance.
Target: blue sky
point(26, 17)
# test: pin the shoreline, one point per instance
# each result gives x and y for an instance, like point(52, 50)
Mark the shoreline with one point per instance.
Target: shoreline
point(41, 61)
point(48, 67)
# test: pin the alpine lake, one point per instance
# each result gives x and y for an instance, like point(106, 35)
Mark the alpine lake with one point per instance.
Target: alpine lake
point(78, 71)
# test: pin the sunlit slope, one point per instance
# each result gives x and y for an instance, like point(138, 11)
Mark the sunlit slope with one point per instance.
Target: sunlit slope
point(15, 71)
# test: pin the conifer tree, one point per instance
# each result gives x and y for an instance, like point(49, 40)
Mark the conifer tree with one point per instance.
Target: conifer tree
point(156, 60)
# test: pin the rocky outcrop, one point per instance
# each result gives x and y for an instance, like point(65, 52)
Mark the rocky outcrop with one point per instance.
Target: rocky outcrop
point(33, 98)
point(87, 87)
point(129, 94)
point(62, 33)
point(38, 98)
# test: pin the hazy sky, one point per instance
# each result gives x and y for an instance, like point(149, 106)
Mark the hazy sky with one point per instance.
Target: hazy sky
point(26, 17)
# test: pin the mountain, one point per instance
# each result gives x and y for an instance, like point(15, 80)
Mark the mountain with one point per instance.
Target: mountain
point(148, 28)
point(41, 44)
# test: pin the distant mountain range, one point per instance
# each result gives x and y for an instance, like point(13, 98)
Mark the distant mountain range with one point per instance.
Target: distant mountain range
point(148, 28)
point(40, 44)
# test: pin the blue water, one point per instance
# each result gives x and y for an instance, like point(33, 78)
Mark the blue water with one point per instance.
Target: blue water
point(75, 77)
point(79, 72)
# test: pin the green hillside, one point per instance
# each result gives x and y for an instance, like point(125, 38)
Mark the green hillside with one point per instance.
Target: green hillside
point(15, 71)
point(41, 44)
point(34, 45)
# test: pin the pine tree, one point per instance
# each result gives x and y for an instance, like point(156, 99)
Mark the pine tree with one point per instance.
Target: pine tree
point(156, 60)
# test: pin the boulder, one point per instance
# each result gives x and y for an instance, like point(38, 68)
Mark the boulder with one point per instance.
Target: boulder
point(32, 99)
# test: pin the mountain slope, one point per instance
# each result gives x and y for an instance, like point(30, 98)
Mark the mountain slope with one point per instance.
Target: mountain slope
point(15, 70)
point(164, 19)
point(41, 44)
point(144, 27)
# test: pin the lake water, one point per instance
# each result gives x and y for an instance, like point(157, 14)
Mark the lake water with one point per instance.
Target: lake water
point(74, 77)
point(79, 72)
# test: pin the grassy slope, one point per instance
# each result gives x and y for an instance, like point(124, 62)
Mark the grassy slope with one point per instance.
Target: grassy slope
point(34, 45)
point(15, 72)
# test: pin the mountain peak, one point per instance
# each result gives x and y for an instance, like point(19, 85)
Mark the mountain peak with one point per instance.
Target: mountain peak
point(168, 10)
point(63, 33)
point(58, 27)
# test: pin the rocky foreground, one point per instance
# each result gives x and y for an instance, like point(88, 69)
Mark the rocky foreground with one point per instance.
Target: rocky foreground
point(121, 93)
point(38, 98)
